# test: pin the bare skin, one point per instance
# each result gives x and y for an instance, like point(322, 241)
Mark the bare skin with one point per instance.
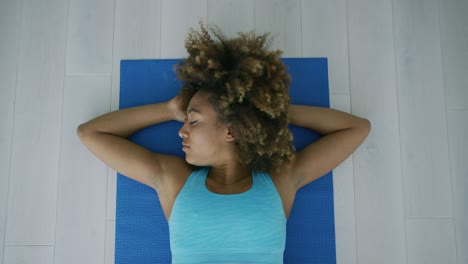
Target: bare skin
point(210, 143)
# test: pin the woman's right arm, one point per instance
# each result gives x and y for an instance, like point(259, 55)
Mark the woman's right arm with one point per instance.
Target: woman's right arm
point(106, 137)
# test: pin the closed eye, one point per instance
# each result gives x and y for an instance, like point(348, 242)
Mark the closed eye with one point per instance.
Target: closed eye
point(193, 122)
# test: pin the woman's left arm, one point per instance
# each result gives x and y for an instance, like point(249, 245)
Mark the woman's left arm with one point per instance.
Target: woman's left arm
point(342, 133)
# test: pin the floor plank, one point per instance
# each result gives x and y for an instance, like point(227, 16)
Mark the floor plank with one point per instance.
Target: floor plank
point(89, 37)
point(232, 16)
point(37, 123)
point(81, 208)
point(178, 17)
point(283, 20)
point(421, 102)
point(431, 241)
point(458, 129)
point(29, 254)
point(324, 34)
point(10, 22)
point(110, 242)
point(380, 226)
point(454, 41)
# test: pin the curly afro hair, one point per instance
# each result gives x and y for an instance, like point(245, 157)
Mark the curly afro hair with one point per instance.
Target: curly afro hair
point(248, 87)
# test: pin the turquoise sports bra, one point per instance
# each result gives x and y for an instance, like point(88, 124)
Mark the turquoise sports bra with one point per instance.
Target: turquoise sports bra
point(205, 227)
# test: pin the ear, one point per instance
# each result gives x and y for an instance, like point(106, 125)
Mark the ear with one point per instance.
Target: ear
point(229, 136)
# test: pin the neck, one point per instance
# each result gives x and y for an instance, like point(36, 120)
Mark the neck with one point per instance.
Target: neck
point(229, 174)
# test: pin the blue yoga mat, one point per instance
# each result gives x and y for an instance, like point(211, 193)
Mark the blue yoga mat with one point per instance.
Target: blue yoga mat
point(142, 232)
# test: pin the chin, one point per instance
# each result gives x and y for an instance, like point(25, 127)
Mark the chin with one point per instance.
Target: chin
point(195, 163)
point(190, 161)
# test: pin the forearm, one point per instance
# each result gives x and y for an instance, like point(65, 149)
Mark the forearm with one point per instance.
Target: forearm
point(127, 121)
point(323, 120)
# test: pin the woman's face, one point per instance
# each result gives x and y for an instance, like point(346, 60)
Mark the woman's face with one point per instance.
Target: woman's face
point(205, 140)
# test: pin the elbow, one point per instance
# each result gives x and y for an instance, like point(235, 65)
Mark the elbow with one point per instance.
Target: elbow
point(369, 124)
point(365, 125)
point(80, 131)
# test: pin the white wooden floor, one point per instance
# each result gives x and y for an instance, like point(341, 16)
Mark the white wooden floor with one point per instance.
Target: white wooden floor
point(403, 64)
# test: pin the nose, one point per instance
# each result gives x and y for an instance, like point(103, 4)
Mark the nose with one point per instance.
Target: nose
point(183, 132)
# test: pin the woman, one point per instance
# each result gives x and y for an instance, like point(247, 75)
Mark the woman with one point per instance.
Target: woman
point(235, 106)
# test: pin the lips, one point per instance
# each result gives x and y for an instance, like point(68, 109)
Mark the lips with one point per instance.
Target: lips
point(185, 146)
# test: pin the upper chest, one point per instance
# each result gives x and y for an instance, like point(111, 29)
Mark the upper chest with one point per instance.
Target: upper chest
point(280, 183)
point(168, 198)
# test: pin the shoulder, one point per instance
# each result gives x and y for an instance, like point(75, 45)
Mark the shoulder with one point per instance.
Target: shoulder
point(175, 180)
